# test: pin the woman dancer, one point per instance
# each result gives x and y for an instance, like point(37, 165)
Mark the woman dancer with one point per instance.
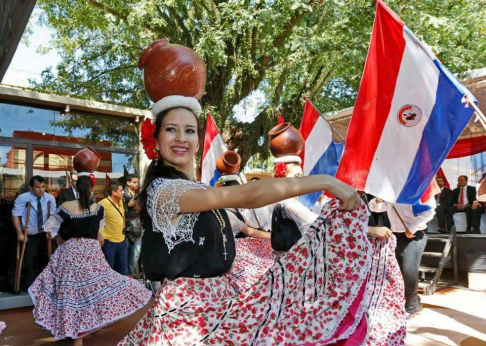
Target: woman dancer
point(78, 292)
point(312, 295)
point(190, 245)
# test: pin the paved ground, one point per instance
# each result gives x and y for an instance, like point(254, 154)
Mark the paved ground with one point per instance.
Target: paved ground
point(450, 317)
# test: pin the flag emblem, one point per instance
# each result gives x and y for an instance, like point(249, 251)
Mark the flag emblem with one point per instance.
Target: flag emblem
point(409, 115)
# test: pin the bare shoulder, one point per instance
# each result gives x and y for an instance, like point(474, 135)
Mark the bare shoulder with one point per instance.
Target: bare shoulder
point(93, 207)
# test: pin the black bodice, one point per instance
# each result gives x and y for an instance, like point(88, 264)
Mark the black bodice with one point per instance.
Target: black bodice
point(85, 225)
point(203, 258)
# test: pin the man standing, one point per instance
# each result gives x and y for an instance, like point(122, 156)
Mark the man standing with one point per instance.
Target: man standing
point(464, 201)
point(134, 219)
point(444, 202)
point(42, 205)
point(115, 247)
point(411, 240)
point(70, 193)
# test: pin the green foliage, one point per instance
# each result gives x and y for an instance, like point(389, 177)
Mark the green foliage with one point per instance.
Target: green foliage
point(288, 49)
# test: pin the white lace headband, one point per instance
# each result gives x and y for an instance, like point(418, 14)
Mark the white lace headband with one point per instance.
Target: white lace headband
point(174, 101)
point(288, 159)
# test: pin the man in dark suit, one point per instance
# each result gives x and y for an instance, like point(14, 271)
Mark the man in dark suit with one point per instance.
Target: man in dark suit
point(464, 200)
point(70, 193)
point(444, 202)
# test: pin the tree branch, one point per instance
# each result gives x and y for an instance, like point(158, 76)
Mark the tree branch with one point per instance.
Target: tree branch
point(108, 9)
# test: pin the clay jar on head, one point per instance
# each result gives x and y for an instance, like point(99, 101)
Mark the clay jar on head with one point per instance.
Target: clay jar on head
point(285, 140)
point(228, 163)
point(86, 160)
point(172, 69)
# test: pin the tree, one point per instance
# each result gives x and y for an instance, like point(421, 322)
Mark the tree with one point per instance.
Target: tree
point(286, 49)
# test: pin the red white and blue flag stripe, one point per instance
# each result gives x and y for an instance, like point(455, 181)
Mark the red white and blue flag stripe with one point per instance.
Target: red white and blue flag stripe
point(409, 112)
point(320, 155)
point(214, 147)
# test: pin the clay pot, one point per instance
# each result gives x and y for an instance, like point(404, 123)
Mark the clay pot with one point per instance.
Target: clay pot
point(228, 163)
point(172, 69)
point(86, 160)
point(285, 140)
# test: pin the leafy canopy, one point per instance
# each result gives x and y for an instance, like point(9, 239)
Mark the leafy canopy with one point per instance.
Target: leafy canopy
point(286, 49)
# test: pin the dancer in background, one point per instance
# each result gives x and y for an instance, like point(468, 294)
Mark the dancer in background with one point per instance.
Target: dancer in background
point(385, 287)
point(254, 254)
point(78, 292)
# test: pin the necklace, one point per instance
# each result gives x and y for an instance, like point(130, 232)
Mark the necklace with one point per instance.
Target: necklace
point(221, 222)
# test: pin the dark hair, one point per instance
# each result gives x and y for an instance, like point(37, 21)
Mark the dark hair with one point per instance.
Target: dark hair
point(132, 176)
point(465, 177)
point(254, 178)
point(157, 169)
point(113, 187)
point(84, 186)
point(231, 183)
point(37, 178)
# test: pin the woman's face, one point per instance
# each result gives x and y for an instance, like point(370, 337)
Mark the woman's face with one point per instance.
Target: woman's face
point(293, 170)
point(178, 138)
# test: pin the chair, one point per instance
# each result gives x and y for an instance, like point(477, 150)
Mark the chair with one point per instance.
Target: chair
point(460, 221)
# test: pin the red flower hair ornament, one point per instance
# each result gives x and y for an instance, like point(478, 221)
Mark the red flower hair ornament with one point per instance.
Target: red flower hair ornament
point(147, 134)
point(92, 178)
point(280, 170)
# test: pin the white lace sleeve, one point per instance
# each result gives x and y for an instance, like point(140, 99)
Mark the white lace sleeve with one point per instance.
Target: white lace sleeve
point(236, 224)
point(301, 215)
point(163, 207)
point(53, 224)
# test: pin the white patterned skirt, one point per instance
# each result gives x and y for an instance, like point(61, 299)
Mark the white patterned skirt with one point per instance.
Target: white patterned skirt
point(254, 257)
point(386, 291)
point(315, 294)
point(78, 293)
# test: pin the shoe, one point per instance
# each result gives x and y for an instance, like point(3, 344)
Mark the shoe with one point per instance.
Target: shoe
point(410, 313)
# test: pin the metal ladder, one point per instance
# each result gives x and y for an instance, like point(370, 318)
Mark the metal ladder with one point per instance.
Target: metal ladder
point(432, 255)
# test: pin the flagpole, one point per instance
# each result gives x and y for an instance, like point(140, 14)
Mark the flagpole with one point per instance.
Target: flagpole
point(322, 116)
point(400, 217)
point(479, 114)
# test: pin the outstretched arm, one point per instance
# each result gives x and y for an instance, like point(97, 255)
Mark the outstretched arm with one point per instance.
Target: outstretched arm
point(252, 232)
point(264, 192)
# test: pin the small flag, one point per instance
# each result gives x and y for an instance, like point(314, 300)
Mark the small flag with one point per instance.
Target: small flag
point(214, 147)
point(320, 154)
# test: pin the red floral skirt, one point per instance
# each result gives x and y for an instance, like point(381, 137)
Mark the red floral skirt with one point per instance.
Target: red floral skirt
point(386, 294)
point(78, 293)
point(315, 294)
point(254, 257)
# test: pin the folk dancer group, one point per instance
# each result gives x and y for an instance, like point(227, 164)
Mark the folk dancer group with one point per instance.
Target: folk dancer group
point(322, 278)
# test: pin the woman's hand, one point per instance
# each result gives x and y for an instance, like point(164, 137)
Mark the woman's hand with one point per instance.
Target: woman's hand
point(59, 240)
point(101, 239)
point(380, 232)
point(347, 194)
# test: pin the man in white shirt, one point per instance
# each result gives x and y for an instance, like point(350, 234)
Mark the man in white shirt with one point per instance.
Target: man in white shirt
point(411, 241)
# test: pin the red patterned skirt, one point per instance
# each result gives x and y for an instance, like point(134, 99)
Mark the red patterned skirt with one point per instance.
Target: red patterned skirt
point(386, 291)
point(315, 294)
point(78, 293)
point(254, 257)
